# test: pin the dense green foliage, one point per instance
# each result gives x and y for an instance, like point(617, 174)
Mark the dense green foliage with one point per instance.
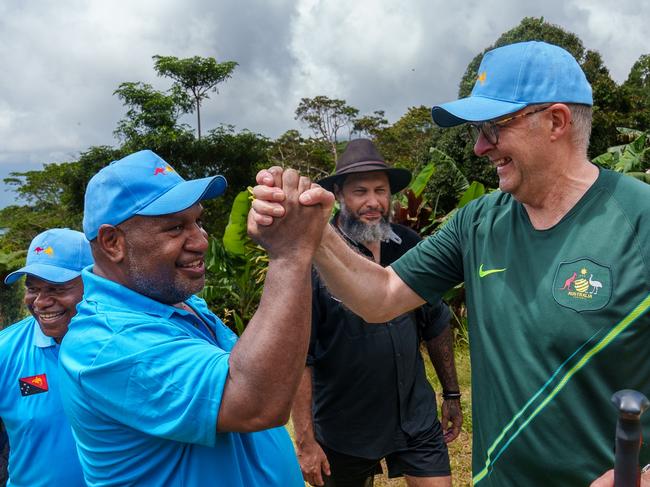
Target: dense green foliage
point(11, 297)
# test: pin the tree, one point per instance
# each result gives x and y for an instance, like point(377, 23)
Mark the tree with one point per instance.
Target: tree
point(11, 297)
point(325, 117)
point(151, 113)
point(637, 93)
point(310, 156)
point(406, 143)
point(369, 125)
point(54, 196)
point(197, 76)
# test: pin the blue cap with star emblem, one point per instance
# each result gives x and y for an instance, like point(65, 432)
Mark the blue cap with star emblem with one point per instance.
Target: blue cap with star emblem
point(515, 76)
point(57, 255)
point(141, 184)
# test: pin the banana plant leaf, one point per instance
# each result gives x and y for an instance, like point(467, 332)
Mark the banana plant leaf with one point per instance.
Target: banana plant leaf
point(235, 237)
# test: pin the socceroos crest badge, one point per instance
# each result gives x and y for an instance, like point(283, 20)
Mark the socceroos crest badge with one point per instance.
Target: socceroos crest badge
point(582, 285)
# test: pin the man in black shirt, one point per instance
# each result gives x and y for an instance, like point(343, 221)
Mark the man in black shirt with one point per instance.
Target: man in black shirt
point(364, 395)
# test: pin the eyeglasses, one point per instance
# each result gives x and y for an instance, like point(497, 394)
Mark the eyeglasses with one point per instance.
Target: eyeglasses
point(490, 129)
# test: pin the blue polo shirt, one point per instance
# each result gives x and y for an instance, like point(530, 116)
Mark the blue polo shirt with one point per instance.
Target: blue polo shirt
point(143, 383)
point(42, 450)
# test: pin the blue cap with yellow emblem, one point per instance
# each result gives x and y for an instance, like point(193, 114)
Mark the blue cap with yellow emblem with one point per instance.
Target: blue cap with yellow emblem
point(515, 76)
point(141, 184)
point(57, 255)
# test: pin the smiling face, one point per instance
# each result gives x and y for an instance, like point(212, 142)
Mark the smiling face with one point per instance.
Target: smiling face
point(165, 255)
point(53, 305)
point(367, 196)
point(518, 156)
point(365, 203)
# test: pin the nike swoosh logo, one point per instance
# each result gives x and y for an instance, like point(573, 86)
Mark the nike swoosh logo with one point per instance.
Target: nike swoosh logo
point(482, 273)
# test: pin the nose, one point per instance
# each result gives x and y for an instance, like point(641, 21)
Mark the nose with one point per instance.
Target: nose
point(197, 240)
point(482, 146)
point(373, 201)
point(43, 300)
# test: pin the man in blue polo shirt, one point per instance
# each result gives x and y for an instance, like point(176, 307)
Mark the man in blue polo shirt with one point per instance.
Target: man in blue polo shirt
point(42, 450)
point(158, 390)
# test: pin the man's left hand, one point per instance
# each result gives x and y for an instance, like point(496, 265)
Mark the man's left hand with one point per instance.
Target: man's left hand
point(452, 419)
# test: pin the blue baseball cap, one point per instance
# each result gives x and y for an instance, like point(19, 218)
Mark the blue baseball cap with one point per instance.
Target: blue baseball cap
point(56, 255)
point(515, 76)
point(141, 184)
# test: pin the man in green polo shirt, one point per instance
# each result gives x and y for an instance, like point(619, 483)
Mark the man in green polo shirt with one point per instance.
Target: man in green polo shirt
point(556, 267)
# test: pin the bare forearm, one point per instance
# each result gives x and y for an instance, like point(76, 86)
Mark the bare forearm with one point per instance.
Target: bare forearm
point(373, 292)
point(301, 412)
point(441, 353)
point(267, 363)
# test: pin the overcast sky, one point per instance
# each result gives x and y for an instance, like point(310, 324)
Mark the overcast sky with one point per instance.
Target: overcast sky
point(63, 59)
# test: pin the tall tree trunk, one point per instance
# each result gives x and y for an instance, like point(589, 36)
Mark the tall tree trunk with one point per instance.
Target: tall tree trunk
point(198, 116)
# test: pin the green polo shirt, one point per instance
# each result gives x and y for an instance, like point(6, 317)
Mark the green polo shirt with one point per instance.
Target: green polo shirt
point(558, 321)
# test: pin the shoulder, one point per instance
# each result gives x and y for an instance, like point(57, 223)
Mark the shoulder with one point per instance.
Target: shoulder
point(17, 332)
point(111, 337)
point(496, 201)
point(14, 341)
point(631, 199)
point(629, 191)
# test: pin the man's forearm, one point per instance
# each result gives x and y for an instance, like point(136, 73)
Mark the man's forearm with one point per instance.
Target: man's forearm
point(371, 291)
point(267, 363)
point(301, 412)
point(441, 353)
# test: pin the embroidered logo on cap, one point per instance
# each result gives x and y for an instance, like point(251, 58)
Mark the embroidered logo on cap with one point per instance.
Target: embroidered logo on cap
point(582, 285)
point(481, 78)
point(163, 170)
point(35, 384)
point(44, 250)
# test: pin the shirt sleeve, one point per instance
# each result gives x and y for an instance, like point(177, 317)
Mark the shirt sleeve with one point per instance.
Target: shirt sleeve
point(435, 264)
point(432, 319)
point(161, 381)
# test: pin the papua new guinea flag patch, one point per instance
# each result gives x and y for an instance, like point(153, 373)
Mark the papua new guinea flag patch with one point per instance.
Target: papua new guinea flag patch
point(33, 385)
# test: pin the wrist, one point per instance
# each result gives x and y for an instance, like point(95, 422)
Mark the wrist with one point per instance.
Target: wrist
point(303, 441)
point(451, 395)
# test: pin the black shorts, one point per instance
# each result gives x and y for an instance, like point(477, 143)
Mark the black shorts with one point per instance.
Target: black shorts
point(425, 456)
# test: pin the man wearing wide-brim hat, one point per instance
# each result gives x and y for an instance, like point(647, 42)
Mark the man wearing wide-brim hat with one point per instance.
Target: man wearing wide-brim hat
point(30, 402)
point(364, 394)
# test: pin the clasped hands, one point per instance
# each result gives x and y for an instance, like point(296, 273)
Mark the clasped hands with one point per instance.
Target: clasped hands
point(288, 212)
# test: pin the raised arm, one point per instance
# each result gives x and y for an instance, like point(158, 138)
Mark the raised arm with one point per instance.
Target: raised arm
point(268, 361)
point(373, 292)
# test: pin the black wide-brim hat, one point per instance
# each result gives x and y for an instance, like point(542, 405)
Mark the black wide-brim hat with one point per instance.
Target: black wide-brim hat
point(361, 155)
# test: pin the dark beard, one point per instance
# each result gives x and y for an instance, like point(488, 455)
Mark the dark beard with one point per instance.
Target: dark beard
point(361, 232)
point(158, 288)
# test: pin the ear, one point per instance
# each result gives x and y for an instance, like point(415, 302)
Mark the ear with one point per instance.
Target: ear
point(561, 121)
point(336, 189)
point(112, 243)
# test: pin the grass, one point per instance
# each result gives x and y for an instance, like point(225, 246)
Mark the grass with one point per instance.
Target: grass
point(460, 451)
